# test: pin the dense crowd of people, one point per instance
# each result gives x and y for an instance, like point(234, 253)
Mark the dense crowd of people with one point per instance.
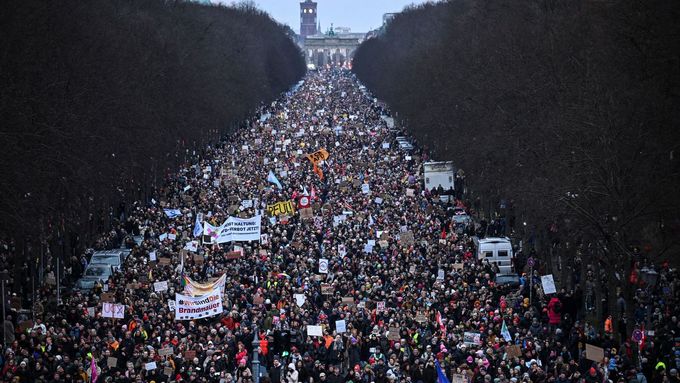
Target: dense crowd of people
point(401, 275)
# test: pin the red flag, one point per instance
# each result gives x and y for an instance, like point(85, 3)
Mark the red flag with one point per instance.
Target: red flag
point(444, 232)
point(438, 317)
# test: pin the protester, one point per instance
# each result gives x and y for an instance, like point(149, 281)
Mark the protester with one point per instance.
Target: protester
point(386, 316)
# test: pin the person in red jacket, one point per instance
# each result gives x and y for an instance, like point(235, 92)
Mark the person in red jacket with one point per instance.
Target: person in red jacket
point(554, 312)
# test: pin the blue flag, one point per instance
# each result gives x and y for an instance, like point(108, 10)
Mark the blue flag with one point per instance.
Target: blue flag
point(172, 213)
point(198, 227)
point(441, 377)
point(272, 178)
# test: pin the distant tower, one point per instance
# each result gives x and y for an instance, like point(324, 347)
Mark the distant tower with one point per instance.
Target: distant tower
point(307, 18)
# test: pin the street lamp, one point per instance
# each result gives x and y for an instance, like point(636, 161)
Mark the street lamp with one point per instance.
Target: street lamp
point(256, 358)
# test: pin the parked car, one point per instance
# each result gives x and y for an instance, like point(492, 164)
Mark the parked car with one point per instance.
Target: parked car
point(95, 272)
point(509, 280)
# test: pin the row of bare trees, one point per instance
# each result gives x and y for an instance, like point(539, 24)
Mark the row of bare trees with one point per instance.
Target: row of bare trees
point(101, 98)
point(569, 109)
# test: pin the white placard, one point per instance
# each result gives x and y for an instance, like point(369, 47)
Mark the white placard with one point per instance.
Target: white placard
point(150, 366)
point(323, 266)
point(112, 310)
point(340, 326)
point(171, 304)
point(548, 284)
point(378, 200)
point(365, 188)
point(440, 274)
point(314, 330)
point(152, 256)
point(172, 236)
point(300, 299)
point(386, 145)
point(160, 286)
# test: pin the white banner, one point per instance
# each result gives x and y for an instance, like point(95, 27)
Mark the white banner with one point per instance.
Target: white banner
point(187, 308)
point(239, 229)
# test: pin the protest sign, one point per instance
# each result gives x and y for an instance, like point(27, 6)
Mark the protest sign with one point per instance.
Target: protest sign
point(513, 351)
point(340, 326)
point(112, 310)
point(168, 371)
point(365, 188)
point(300, 299)
point(459, 378)
point(548, 284)
point(594, 353)
point(326, 289)
point(306, 213)
point(279, 208)
point(165, 351)
point(323, 266)
point(188, 307)
point(160, 286)
point(314, 330)
point(318, 156)
point(349, 301)
point(393, 334)
point(111, 362)
point(471, 338)
point(107, 297)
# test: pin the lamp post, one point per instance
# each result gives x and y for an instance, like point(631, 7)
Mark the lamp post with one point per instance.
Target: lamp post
point(256, 358)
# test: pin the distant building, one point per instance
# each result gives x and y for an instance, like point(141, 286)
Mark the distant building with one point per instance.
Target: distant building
point(308, 20)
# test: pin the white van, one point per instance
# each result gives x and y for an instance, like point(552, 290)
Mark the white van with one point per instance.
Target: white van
point(495, 250)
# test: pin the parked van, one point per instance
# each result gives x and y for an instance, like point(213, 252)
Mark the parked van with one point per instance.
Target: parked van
point(495, 250)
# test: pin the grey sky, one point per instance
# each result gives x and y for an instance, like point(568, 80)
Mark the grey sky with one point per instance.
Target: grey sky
point(360, 15)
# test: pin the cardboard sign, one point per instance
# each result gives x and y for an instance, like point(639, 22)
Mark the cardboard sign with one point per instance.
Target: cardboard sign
point(164, 261)
point(394, 334)
point(594, 353)
point(199, 259)
point(349, 301)
point(513, 351)
point(168, 371)
point(165, 351)
point(111, 362)
point(307, 213)
point(107, 297)
point(233, 255)
point(421, 318)
point(189, 355)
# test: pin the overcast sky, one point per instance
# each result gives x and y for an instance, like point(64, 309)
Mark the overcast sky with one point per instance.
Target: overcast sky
point(360, 15)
